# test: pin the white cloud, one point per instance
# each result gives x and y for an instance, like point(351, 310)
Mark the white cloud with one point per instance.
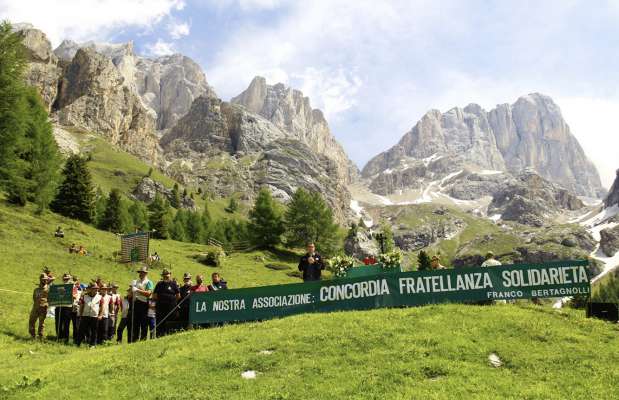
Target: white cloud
point(178, 29)
point(86, 19)
point(594, 123)
point(160, 48)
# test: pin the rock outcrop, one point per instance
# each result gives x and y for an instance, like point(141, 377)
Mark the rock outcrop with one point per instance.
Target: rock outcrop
point(290, 110)
point(613, 195)
point(609, 241)
point(43, 71)
point(531, 133)
point(361, 245)
point(92, 96)
point(229, 149)
point(166, 85)
point(532, 200)
point(147, 189)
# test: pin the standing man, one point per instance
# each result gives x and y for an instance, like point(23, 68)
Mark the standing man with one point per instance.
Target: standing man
point(78, 289)
point(217, 283)
point(90, 311)
point(142, 290)
point(199, 287)
point(166, 295)
point(490, 260)
point(183, 305)
point(435, 263)
point(39, 306)
point(311, 264)
point(63, 316)
point(104, 321)
point(115, 305)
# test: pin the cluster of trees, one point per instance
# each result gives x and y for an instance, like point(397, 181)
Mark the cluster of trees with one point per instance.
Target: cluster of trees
point(29, 157)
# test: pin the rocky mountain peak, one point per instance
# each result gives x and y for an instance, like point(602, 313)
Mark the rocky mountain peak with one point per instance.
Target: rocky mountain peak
point(613, 195)
point(291, 111)
point(530, 133)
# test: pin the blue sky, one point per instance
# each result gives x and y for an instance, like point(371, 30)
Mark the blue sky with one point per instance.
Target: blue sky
point(375, 67)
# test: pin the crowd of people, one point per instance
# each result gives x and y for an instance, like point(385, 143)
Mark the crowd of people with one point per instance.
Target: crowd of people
point(99, 313)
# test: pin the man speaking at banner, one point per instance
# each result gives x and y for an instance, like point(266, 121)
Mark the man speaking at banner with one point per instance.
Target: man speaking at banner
point(311, 264)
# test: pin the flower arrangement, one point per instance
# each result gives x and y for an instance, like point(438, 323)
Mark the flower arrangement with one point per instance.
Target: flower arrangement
point(393, 259)
point(339, 265)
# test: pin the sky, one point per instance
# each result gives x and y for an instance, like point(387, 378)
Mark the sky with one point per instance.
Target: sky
point(375, 67)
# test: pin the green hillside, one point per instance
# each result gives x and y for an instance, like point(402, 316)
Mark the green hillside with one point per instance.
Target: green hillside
point(438, 352)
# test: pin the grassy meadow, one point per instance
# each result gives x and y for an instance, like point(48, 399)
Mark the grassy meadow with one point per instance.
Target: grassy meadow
point(434, 352)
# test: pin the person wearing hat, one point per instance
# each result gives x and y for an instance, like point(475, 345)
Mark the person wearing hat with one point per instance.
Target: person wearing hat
point(78, 289)
point(166, 295)
point(435, 263)
point(183, 305)
point(39, 307)
point(48, 272)
point(490, 260)
point(104, 321)
point(125, 306)
point(142, 289)
point(62, 315)
point(115, 305)
point(90, 311)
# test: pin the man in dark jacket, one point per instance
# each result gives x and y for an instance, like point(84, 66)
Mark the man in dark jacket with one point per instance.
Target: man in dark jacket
point(311, 264)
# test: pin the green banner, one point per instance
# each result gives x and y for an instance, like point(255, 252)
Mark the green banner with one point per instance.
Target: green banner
point(508, 282)
point(60, 295)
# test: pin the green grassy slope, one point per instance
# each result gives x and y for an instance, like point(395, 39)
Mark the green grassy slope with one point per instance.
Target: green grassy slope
point(436, 352)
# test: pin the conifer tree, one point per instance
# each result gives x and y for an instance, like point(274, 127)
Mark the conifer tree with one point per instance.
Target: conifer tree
point(310, 219)
point(29, 157)
point(100, 204)
point(159, 217)
point(423, 261)
point(388, 242)
point(195, 228)
point(233, 206)
point(75, 197)
point(175, 200)
point(116, 217)
point(13, 111)
point(139, 215)
point(178, 229)
point(266, 225)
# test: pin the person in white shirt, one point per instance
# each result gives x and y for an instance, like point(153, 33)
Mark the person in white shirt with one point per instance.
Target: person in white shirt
point(142, 290)
point(90, 311)
point(115, 302)
point(104, 321)
point(490, 260)
point(124, 316)
point(152, 317)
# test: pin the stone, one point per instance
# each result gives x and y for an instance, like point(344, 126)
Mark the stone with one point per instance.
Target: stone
point(147, 189)
point(361, 245)
point(609, 241)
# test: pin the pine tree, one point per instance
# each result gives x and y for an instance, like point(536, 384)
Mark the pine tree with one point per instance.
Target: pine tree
point(184, 193)
point(206, 222)
point(139, 215)
point(115, 218)
point(159, 218)
point(266, 225)
point(178, 230)
point(309, 219)
point(100, 204)
point(13, 114)
point(29, 157)
point(75, 198)
point(424, 261)
point(195, 228)
point(233, 206)
point(388, 242)
point(175, 200)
